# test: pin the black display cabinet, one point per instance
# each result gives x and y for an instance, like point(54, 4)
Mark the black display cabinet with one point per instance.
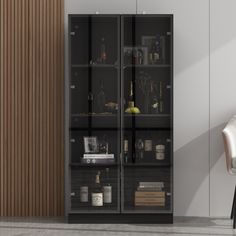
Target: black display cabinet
point(120, 161)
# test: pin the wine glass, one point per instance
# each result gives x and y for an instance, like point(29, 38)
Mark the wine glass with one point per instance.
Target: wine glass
point(139, 145)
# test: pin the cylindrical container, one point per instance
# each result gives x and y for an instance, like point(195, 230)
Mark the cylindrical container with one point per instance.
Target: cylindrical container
point(147, 145)
point(160, 152)
point(84, 194)
point(97, 199)
point(126, 149)
point(107, 194)
point(160, 148)
point(160, 156)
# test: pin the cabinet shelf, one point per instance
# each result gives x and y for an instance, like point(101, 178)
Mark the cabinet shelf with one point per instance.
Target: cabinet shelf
point(93, 128)
point(147, 115)
point(140, 165)
point(94, 66)
point(94, 121)
point(115, 115)
point(151, 128)
point(148, 66)
point(147, 121)
point(147, 210)
point(94, 115)
point(93, 165)
point(93, 210)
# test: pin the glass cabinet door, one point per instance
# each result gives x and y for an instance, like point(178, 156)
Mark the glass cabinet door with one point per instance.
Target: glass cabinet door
point(146, 113)
point(95, 114)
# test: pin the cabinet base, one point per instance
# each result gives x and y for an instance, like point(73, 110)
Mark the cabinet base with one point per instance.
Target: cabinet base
point(121, 218)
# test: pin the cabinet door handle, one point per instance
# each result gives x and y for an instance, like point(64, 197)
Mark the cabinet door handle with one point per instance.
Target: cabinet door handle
point(72, 33)
point(72, 86)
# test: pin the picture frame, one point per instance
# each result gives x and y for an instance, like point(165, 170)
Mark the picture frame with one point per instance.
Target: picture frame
point(90, 144)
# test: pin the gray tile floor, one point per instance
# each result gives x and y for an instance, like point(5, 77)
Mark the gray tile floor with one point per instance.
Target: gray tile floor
point(183, 226)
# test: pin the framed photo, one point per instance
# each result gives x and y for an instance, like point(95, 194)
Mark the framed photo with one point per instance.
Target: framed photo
point(90, 144)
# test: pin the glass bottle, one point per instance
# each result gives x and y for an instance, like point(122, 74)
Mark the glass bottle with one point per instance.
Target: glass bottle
point(135, 57)
point(140, 57)
point(126, 149)
point(107, 189)
point(84, 193)
point(151, 54)
point(131, 108)
point(131, 95)
point(101, 98)
point(103, 145)
point(97, 193)
point(139, 146)
point(156, 53)
point(154, 104)
point(103, 55)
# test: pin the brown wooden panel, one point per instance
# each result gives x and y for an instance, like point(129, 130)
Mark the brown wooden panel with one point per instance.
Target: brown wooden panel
point(31, 107)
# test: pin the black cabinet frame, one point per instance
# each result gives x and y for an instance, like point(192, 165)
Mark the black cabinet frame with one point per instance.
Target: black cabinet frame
point(119, 124)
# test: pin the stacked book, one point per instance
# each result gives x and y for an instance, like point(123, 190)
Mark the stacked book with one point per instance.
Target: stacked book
point(150, 194)
point(92, 158)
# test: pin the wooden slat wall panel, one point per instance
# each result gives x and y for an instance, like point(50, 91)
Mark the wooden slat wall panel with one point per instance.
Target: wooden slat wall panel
point(31, 107)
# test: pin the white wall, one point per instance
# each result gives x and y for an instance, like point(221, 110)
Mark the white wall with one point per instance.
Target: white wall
point(223, 100)
point(204, 97)
point(191, 101)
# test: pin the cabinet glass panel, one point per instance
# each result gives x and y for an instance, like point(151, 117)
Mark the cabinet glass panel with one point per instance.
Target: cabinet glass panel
point(95, 114)
point(147, 114)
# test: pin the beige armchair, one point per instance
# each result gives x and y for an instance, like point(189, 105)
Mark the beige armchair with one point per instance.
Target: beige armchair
point(229, 137)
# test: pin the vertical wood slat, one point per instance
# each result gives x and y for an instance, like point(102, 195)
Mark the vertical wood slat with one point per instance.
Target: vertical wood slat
point(12, 109)
point(1, 108)
point(5, 112)
point(31, 107)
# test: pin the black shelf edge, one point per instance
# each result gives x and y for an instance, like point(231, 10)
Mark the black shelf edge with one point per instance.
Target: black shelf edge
point(116, 129)
point(93, 128)
point(147, 165)
point(92, 165)
point(94, 115)
point(148, 66)
point(148, 128)
point(94, 66)
point(125, 115)
point(94, 211)
point(147, 115)
point(149, 210)
point(117, 66)
point(129, 218)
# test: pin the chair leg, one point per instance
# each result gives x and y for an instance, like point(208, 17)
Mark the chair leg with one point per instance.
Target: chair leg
point(234, 220)
point(233, 205)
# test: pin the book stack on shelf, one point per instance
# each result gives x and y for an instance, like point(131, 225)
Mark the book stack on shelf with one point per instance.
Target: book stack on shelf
point(96, 151)
point(98, 158)
point(150, 194)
